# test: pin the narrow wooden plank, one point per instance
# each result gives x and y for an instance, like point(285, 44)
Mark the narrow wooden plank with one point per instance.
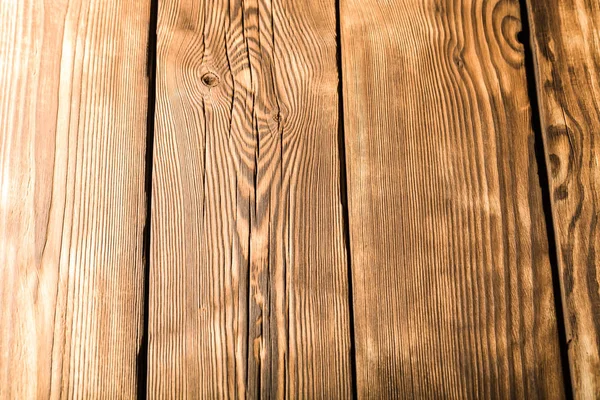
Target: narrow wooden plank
point(452, 282)
point(566, 43)
point(248, 281)
point(72, 140)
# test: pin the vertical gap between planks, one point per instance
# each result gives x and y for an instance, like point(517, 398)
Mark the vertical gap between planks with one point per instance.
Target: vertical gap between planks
point(525, 37)
point(344, 195)
point(142, 357)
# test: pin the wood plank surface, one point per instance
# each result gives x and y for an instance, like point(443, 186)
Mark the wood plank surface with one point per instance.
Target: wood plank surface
point(248, 280)
point(451, 275)
point(566, 44)
point(72, 141)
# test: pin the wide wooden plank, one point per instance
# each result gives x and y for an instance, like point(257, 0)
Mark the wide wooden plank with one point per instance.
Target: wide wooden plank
point(72, 141)
point(248, 280)
point(566, 44)
point(452, 282)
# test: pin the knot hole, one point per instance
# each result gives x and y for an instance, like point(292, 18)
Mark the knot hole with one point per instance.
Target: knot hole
point(210, 80)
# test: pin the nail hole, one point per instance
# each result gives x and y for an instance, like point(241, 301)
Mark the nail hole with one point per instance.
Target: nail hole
point(209, 79)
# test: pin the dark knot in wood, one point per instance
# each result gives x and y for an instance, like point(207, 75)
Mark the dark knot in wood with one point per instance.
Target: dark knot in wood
point(210, 80)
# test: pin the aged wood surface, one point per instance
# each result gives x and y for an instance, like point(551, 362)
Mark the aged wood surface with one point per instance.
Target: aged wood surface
point(248, 279)
point(72, 141)
point(566, 44)
point(452, 282)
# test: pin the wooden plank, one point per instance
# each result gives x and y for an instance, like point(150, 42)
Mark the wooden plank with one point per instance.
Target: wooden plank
point(72, 141)
point(248, 281)
point(566, 43)
point(452, 282)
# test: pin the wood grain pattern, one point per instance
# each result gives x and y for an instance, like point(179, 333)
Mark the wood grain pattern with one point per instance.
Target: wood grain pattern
point(248, 280)
point(566, 43)
point(72, 141)
point(452, 282)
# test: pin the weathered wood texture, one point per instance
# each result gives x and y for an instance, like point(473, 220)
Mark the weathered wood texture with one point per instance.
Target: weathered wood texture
point(72, 141)
point(248, 280)
point(566, 44)
point(452, 282)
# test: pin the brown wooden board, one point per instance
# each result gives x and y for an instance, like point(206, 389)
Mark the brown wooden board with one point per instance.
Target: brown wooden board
point(452, 283)
point(566, 49)
point(72, 204)
point(248, 279)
